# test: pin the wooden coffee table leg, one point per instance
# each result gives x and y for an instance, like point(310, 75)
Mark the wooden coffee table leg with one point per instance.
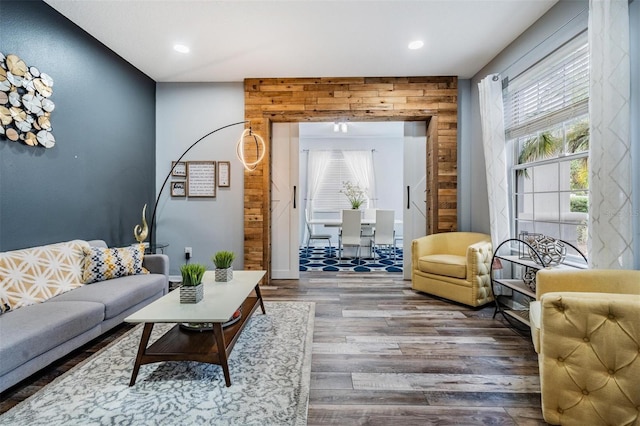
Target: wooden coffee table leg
point(222, 351)
point(259, 294)
point(146, 334)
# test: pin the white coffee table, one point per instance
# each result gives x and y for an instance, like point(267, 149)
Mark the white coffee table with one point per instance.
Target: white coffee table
point(221, 300)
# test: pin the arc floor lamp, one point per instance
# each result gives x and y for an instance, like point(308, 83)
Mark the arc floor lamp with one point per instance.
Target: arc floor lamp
point(141, 231)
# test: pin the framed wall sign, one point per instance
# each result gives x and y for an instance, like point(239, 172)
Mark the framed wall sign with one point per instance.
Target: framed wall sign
point(201, 178)
point(178, 189)
point(180, 169)
point(224, 173)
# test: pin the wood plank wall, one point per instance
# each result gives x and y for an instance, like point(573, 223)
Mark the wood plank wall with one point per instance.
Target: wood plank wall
point(351, 99)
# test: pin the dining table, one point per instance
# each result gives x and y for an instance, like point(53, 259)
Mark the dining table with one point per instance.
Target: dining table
point(337, 223)
point(367, 224)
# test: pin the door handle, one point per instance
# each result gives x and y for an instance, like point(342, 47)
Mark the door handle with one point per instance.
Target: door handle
point(294, 196)
point(408, 197)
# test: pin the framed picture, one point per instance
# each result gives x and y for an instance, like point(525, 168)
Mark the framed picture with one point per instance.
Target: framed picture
point(201, 179)
point(179, 189)
point(180, 169)
point(224, 173)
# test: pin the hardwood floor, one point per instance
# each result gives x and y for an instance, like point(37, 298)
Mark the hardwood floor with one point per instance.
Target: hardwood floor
point(386, 355)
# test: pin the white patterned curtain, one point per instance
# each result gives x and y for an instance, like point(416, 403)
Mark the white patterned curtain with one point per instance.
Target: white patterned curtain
point(360, 163)
point(317, 163)
point(610, 199)
point(495, 157)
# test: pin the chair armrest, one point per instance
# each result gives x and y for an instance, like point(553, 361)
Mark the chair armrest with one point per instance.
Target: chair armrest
point(534, 321)
point(156, 263)
point(587, 280)
point(422, 246)
point(479, 259)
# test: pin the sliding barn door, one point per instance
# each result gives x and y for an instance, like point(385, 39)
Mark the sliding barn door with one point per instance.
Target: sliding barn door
point(415, 188)
point(285, 201)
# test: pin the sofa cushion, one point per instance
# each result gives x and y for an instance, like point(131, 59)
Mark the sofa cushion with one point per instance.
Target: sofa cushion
point(36, 274)
point(119, 294)
point(449, 265)
point(102, 264)
point(32, 330)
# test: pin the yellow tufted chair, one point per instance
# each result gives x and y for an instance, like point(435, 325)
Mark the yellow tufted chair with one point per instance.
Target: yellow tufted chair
point(453, 265)
point(585, 327)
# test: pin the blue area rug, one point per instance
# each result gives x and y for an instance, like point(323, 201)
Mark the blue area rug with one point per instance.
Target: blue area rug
point(326, 259)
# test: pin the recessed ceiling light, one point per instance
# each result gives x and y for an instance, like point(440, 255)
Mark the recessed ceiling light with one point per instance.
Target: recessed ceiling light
point(417, 44)
point(181, 48)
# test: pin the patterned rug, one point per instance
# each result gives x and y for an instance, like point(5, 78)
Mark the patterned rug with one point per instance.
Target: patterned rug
point(326, 259)
point(270, 370)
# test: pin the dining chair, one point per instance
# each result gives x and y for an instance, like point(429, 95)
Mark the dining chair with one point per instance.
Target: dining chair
point(350, 232)
point(311, 235)
point(368, 216)
point(384, 233)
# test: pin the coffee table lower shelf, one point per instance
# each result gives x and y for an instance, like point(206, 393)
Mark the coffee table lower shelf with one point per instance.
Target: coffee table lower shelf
point(202, 346)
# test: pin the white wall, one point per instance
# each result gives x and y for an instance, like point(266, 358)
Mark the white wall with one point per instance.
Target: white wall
point(465, 139)
point(184, 113)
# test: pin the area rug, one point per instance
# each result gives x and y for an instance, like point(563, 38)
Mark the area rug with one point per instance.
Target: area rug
point(326, 259)
point(270, 370)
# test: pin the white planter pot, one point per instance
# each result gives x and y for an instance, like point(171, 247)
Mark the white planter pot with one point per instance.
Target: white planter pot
point(224, 275)
point(191, 294)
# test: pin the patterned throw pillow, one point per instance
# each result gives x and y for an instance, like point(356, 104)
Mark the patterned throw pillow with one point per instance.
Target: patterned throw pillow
point(102, 264)
point(36, 274)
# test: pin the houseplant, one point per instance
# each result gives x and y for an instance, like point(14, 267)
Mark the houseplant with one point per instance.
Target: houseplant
point(224, 265)
point(354, 194)
point(192, 289)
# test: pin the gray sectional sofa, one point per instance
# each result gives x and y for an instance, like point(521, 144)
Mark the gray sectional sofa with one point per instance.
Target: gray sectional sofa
point(33, 336)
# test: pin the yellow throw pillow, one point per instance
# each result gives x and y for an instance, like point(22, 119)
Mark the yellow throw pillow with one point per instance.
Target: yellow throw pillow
point(36, 274)
point(102, 264)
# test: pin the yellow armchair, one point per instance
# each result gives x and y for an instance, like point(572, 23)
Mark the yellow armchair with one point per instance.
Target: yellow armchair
point(453, 265)
point(585, 327)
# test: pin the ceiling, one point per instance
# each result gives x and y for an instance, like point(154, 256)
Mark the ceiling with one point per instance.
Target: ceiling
point(236, 39)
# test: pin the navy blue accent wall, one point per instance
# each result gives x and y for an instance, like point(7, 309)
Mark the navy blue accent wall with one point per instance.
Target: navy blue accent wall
point(94, 182)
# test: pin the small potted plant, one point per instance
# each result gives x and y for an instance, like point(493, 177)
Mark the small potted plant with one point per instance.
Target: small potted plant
point(192, 289)
point(224, 265)
point(354, 194)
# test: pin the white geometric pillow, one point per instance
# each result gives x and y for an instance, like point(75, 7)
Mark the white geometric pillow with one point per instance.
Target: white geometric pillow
point(36, 274)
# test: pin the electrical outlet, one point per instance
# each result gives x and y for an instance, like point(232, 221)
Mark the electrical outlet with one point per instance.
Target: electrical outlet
point(188, 250)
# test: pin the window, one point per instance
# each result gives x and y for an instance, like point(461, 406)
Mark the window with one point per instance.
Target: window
point(547, 132)
point(329, 197)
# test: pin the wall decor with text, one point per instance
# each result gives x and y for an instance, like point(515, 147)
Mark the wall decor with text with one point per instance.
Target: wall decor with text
point(178, 189)
point(201, 179)
point(179, 169)
point(25, 103)
point(224, 174)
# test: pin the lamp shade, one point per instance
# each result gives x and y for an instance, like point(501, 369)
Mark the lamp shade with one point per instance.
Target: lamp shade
point(252, 143)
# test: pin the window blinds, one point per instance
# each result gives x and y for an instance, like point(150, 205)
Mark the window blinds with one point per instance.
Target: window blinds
point(552, 91)
point(329, 196)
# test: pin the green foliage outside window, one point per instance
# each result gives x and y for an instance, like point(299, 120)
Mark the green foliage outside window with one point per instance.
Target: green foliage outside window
point(548, 145)
point(579, 203)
